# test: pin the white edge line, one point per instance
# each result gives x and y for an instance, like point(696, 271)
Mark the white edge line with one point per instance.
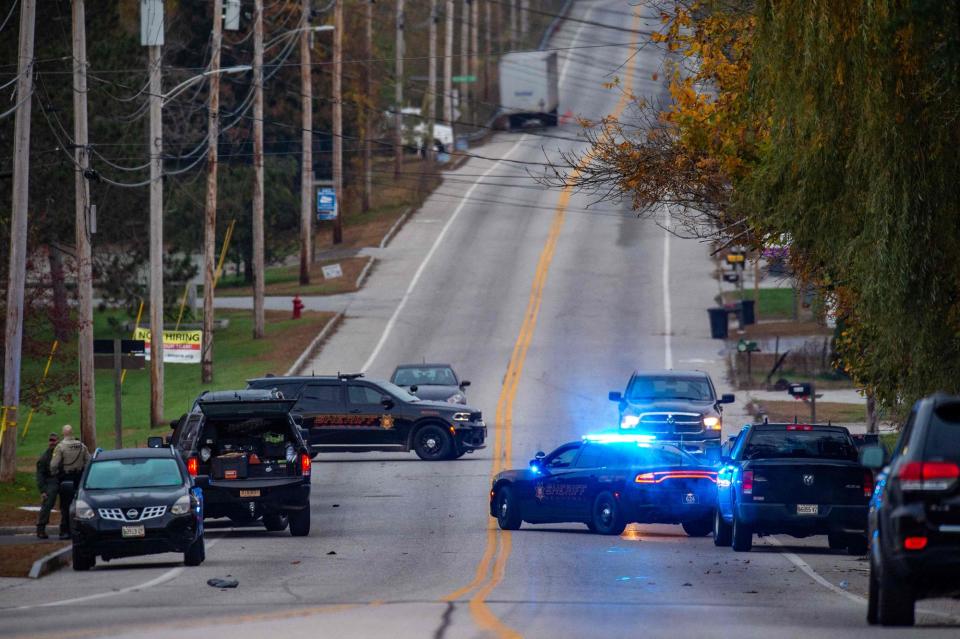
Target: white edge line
point(426, 260)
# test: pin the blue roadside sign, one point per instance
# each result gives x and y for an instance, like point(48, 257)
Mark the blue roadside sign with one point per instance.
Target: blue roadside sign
point(326, 204)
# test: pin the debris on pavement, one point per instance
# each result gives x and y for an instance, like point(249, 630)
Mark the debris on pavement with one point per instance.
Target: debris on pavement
point(220, 582)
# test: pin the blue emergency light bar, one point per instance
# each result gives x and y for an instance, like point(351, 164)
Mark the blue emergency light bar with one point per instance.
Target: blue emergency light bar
point(619, 438)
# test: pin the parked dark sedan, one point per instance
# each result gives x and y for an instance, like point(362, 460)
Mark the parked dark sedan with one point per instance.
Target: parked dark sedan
point(436, 382)
point(137, 501)
point(607, 481)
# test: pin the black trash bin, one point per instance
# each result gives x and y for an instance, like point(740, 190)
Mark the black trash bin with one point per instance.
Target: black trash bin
point(718, 322)
point(747, 315)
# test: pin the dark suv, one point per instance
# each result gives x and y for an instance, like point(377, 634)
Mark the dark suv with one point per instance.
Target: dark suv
point(246, 452)
point(138, 501)
point(915, 514)
point(674, 406)
point(348, 413)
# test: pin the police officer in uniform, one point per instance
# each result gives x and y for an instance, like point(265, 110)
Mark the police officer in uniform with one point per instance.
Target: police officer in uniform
point(48, 486)
point(69, 459)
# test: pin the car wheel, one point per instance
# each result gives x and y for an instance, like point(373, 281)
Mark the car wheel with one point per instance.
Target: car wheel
point(698, 527)
point(509, 515)
point(195, 554)
point(857, 545)
point(741, 537)
point(872, 596)
point(82, 560)
point(607, 515)
point(275, 522)
point(722, 534)
point(300, 522)
point(432, 443)
point(837, 541)
point(895, 601)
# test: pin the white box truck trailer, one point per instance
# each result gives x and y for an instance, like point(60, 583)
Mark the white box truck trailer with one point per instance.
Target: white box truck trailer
point(528, 87)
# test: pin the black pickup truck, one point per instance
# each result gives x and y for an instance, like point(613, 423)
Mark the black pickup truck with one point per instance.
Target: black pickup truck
point(794, 479)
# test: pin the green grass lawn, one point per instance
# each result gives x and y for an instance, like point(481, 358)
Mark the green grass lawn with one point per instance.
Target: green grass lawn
point(775, 303)
point(237, 357)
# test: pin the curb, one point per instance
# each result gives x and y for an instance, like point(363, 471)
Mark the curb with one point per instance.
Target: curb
point(17, 530)
point(49, 563)
point(366, 270)
point(309, 350)
point(396, 226)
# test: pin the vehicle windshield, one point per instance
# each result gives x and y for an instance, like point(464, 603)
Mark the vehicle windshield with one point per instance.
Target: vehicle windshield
point(653, 387)
point(425, 376)
point(119, 474)
point(775, 444)
point(400, 393)
point(639, 455)
point(943, 439)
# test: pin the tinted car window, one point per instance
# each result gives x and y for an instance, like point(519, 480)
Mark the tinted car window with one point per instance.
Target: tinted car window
point(133, 473)
point(290, 390)
point(321, 397)
point(943, 437)
point(563, 458)
point(771, 444)
point(591, 457)
point(651, 388)
point(357, 394)
point(425, 376)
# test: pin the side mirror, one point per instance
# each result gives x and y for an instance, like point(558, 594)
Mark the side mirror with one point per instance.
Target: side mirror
point(536, 464)
point(464, 384)
point(386, 402)
point(615, 396)
point(727, 398)
point(154, 442)
point(413, 389)
point(873, 457)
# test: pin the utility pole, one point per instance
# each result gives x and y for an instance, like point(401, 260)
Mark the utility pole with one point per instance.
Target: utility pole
point(398, 99)
point(210, 214)
point(513, 24)
point(475, 52)
point(258, 170)
point(13, 337)
point(306, 161)
point(431, 86)
point(486, 51)
point(368, 112)
point(524, 19)
point(88, 414)
point(156, 235)
point(465, 58)
point(448, 65)
point(338, 119)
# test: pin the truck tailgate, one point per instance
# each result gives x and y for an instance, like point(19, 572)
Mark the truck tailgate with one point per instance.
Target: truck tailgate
point(807, 481)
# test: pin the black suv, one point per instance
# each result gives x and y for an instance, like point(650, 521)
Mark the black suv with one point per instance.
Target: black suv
point(138, 501)
point(348, 413)
point(249, 457)
point(674, 406)
point(915, 514)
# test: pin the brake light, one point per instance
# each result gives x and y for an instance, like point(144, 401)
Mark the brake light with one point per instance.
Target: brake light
point(915, 543)
point(928, 475)
point(748, 482)
point(305, 464)
point(193, 466)
point(645, 478)
point(799, 427)
point(658, 477)
point(868, 483)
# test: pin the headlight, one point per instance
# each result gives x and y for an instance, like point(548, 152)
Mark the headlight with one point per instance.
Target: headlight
point(712, 423)
point(205, 454)
point(461, 417)
point(456, 398)
point(82, 510)
point(629, 421)
point(181, 506)
point(291, 453)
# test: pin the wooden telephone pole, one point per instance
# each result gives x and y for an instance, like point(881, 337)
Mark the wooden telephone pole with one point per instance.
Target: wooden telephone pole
point(338, 119)
point(368, 115)
point(13, 336)
point(306, 160)
point(88, 414)
point(156, 235)
point(475, 53)
point(448, 65)
point(431, 86)
point(258, 284)
point(210, 214)
point(486, 51)
point(465, 59)
point(398, 95)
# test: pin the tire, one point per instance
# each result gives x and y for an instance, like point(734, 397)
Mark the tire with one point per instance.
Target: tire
point(300, 522)
point(509, 514)
point(895, 601)
point(857, 545)
point(607, 515)
point(722, 533)
point(741, 537)
point(872, 597)
point(837, 541)
point(82, 560)
point(195, 554)
point(698, 527)
point(275, 522)
point(432, 443)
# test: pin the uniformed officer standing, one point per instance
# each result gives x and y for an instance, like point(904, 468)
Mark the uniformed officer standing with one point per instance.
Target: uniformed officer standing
point(69, 459)
point(48, 486)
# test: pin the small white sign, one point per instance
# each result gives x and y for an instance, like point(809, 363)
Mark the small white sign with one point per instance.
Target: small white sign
point(332, 271)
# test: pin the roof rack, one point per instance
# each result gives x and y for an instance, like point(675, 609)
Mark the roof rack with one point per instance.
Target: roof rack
point(349, 376)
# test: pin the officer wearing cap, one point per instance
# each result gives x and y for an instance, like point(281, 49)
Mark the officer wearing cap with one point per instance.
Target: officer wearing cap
point(69, 459)
point(48, 485)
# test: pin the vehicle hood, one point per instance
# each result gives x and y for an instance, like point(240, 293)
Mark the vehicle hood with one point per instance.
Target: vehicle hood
point(446, 407)
point(666, 406)
point(435, 392)
point(513, 475)
point(132, 498)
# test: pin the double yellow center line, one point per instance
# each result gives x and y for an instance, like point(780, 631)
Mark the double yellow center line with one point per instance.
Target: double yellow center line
point(492, 567)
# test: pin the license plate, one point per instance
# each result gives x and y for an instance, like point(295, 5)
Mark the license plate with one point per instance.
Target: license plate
point(133, 531)
point(249, 493)
point(690, 498)
point(808, 509)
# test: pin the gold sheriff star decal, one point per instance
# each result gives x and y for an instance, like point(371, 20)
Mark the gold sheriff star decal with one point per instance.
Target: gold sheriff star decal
point(386, 422)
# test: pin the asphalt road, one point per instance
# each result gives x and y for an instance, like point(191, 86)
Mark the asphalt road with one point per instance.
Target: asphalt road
point(545, 304)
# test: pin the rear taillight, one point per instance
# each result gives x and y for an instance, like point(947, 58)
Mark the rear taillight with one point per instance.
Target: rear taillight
point(799, 427)
point(868, 483)
point(646, 478)
point(193, 466)
point(928, 475)
point(748, 482)
point(305, 464)
point(914, 543)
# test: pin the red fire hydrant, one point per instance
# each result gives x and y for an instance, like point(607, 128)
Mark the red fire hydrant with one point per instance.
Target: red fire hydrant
point(297, 307)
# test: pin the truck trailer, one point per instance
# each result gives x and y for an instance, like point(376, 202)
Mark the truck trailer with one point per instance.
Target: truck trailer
point(528, 87)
